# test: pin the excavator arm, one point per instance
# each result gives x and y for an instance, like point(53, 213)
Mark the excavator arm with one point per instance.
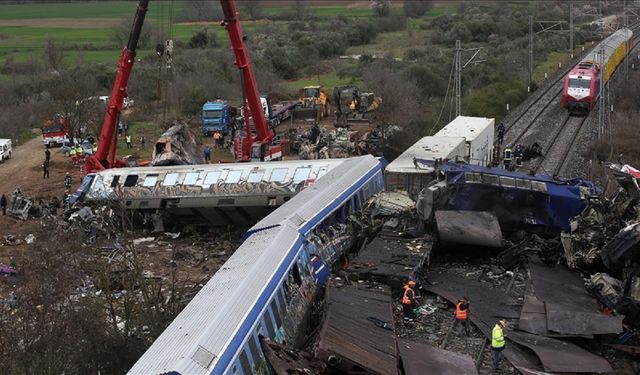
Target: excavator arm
point(105, 156)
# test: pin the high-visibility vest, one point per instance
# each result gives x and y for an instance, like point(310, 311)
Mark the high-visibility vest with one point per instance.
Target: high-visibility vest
point(406, 299)
point(95, 148)
point(216, 135)
point(79, 150)
point(507, 154)
point(128, 139)
point(461, 314)
point(497, 337)
point(72, 151)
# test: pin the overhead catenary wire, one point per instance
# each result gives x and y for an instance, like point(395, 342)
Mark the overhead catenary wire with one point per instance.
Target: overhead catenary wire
point(444, 101)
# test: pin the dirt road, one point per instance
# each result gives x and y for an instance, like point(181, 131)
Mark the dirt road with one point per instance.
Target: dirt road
point(24, 169)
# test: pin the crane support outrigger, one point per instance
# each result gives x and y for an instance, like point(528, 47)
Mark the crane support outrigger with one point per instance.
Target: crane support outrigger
point(105, 156)
point(261, 146)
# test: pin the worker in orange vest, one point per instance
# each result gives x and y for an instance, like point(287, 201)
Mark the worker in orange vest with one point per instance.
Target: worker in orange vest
point(462, 315)
point(409, 302)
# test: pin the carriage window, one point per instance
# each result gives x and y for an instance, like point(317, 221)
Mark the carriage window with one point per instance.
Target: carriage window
point(301, 174)
point(255, 176)
point(150, 180)
point(233, 177)
point(244, 362)
point(281, 298)
point(212, 178)
point(322, 171)
point(523, 184)
point(278, 175)
point(271, 333)
point(191, 178)
point(507, 181)
point(115, 181)
point(253, 349)
point(579, 83)
point(276, 313)
point(131, 180)
point(170, 179)
point(539, 186)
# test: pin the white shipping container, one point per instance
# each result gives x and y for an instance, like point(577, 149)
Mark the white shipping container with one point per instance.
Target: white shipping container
point(478, 133)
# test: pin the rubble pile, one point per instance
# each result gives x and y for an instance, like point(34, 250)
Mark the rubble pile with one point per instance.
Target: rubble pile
point(176, 146)
point(318, 142)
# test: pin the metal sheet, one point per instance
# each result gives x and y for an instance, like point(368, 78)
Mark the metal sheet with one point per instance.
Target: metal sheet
point(418, 359)
point(570, 309)
point(349, 334)
point(533, 317)
point(561, 356)
point(469, 227)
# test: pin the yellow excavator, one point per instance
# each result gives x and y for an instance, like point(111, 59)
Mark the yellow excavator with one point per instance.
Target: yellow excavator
point(352, 106)
point(313, 103)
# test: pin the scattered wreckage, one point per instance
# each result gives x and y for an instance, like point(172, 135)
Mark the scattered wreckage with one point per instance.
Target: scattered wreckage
point(316, 142)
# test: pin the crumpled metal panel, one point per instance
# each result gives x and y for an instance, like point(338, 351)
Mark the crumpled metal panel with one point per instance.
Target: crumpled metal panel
point(469, 227)
point(561, 356)
point(418, 359)
point(533, 317)
point(569, 308)
point(350, 336)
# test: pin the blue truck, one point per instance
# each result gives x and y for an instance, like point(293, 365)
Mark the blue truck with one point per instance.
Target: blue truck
point(215, 116)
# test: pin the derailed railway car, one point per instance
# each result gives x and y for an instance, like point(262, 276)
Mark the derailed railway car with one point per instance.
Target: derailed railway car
point(267, 286)
point(582, 84)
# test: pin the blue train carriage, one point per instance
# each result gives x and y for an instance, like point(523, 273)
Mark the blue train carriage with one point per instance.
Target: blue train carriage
point(267, 286)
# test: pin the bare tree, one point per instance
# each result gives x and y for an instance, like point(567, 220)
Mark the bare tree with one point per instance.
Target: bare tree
point(120, 32)
point(53, 53)
point(381, 8)
point(300, 9)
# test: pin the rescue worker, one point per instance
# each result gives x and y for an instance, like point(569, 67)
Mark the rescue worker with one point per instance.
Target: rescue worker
point(507, 156)
point(72, 154)
point(216, 138)
point(127, 139)
point(67, 181)
point(207, 154)
point(3, 204)
point(95, 148)
point(497, 343)
point(519, 154)
point(47, 154)
point(409, 302)
point(79, 152)
point(462, 315)
point(45, 169)
point(501, 130)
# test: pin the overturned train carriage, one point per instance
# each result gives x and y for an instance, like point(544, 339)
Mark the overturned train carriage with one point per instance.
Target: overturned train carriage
point(518, 200)
point(268, 284)
point(208, 194)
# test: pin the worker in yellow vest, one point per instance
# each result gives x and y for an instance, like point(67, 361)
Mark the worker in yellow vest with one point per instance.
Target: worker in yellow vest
point(72, 154)
point(497, 343)
point(127, 139)
point(79, 151)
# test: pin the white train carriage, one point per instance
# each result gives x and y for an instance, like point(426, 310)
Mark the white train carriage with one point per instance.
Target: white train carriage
point(209, 194)
point(268, 284)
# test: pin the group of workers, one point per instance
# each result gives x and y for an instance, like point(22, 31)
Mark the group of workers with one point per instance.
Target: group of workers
point(462, 319)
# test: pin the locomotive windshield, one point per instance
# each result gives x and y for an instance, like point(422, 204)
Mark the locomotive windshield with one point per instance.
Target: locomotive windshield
point(579, 83)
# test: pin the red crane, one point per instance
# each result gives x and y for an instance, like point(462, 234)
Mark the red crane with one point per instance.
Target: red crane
point(261, 145)
point(105, 156)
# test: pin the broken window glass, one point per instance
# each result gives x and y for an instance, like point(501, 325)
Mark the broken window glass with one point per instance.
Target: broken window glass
point(212, 178)
point(191, 178)
point(539, 186)
point(278, 175)
point(170, 179)
point(131, 180)
point(255, 176)
point(253, 350)
point(322, 171)
point(276, 313)
point(301, 174)
point(233, 177)
point(150, 180)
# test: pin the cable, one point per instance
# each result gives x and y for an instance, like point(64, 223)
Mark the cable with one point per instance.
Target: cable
point(444, 101)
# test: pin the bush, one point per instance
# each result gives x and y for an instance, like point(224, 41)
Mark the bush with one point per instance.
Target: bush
point(416, 8)
point(391, 23)
point(203, 38)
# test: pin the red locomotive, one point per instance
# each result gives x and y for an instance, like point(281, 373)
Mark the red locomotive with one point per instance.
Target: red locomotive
point(581, 87)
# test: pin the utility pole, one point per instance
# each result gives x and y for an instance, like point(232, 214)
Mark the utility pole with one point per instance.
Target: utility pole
point(530, 51)
point(458, 78)
point(571, 28)
point(602, 105)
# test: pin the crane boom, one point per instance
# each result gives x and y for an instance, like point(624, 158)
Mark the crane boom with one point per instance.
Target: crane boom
point(105, 156)
point(264, 135)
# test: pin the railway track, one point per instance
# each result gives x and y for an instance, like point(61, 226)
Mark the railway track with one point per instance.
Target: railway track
point(555, 157)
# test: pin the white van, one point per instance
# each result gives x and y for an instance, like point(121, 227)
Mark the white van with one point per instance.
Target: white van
point(5, 149)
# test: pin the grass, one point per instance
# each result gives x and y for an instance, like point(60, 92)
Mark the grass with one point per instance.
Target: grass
point(550, 65)
point(93, 9)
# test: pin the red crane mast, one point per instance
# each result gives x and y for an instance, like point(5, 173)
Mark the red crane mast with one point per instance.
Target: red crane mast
point(261, 144)
point(105, 156)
